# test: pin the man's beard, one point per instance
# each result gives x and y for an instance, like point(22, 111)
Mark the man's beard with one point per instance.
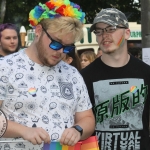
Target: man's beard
point(41, 54)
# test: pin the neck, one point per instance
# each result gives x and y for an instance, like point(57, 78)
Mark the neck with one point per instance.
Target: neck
point(31, 52)
point(119, 60)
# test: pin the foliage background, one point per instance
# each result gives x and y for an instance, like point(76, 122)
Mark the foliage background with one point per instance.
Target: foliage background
point(17, 10)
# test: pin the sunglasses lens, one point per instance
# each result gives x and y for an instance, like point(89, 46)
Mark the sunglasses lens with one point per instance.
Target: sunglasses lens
point(55, 45)
point(68, 49)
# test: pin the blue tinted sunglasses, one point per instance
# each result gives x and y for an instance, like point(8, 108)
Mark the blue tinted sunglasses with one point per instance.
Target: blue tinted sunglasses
point(57, 45)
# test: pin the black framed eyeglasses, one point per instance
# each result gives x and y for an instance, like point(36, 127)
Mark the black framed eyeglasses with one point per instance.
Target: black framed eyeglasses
point(55, 45)
point(108, 29)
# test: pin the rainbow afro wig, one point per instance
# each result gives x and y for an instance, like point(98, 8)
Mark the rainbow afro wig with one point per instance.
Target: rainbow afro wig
point(54, 9)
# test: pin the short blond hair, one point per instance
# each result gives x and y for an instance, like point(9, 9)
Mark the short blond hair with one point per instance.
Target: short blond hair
point(64, 25)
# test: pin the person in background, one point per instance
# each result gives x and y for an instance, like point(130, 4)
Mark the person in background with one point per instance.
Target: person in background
point(119, 86)
point(72, 59)
point(136, 52)
point(86, 58)
point(99, 52)
point(43, 98)
point(9, 39)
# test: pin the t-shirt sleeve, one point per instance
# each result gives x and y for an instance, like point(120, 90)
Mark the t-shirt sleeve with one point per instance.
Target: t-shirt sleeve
point(84, 102)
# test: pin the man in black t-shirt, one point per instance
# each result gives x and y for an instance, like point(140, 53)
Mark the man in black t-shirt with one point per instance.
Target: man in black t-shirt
point(119, 86)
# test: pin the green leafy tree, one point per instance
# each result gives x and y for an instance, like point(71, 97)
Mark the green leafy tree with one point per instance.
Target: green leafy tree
point(18, 11)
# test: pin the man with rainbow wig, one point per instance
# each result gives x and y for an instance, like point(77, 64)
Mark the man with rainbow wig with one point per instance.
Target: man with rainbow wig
point(119, 86)
point(44, 98)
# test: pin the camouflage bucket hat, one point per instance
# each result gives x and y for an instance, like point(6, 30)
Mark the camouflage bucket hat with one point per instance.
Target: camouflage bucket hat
point(110, 16)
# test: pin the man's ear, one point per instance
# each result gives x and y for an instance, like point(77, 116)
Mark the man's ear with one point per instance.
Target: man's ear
point(69, 60)
point(127, 34)
point(38, 30)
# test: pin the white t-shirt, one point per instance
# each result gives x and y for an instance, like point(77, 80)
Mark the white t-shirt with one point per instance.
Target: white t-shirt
point(40, 96)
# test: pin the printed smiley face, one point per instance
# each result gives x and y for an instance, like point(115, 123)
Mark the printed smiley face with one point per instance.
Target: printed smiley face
point(3, 123)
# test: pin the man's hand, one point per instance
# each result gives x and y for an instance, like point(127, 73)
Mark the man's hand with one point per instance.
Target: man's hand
point(70, 137)
point(35, 135)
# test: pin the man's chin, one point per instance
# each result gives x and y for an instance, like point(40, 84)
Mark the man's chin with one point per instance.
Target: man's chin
point(52, 63)
point(9, 51)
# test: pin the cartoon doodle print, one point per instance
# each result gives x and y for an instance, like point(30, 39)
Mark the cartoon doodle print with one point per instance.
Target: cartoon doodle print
point(20, 145)
point(6, 147)
point(43, 89)
point(3, 91)
point(74, 80)
point(10, 72)
point(10, 62)
point(63, 107)
point(35, 119)
point(66, 90)
point(10, 89)
point(18, 105)
point(21, 66)
point(22, 115)
point(56, 116)
point(43, 102)
point(54, 86)
point(30, 78)
point(65, 67)
point(20, 60)
point(11, 117)
point(41, 75)
point(74, 70)
point(32, 106)
point(66, 122)
point(4, 79)
point(31, 63)
point(49, 78)
point(32, 91)
point(54, 136)
point(3, 70)
point(22, 85)
point(57, 124)
point(52, 105)
point(59, 67)
point(68, 77)
point(45, 119)
point(24, 93)
point(19, 76)
point(59, 79)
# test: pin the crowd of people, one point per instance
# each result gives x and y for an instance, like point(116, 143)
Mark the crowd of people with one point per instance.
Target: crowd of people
point(50, 93)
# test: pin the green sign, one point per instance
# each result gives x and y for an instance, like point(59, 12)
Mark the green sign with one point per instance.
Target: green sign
point(135, 34)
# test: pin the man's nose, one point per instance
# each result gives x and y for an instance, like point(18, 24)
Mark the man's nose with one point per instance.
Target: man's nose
point(105, 33)
point(61, 50)
point(12, 40)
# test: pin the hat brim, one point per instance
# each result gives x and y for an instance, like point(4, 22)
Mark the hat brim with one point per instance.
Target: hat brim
point(101, 21)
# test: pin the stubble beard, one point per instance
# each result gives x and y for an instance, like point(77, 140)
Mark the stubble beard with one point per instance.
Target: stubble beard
point(41, 53)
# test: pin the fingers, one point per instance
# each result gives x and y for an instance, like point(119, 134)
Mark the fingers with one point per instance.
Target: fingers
point(37, 136)
point(45, 137)
point(70, 137)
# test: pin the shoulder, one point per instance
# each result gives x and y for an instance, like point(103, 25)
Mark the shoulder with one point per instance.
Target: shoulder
point(9, 60)
point(91, 68)
point(137, 63)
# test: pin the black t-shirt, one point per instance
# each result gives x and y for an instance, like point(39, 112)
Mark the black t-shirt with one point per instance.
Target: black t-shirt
point(120, 98)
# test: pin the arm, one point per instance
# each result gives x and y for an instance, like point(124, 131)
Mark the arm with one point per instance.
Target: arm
point(33, 135)
point(86, 121)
